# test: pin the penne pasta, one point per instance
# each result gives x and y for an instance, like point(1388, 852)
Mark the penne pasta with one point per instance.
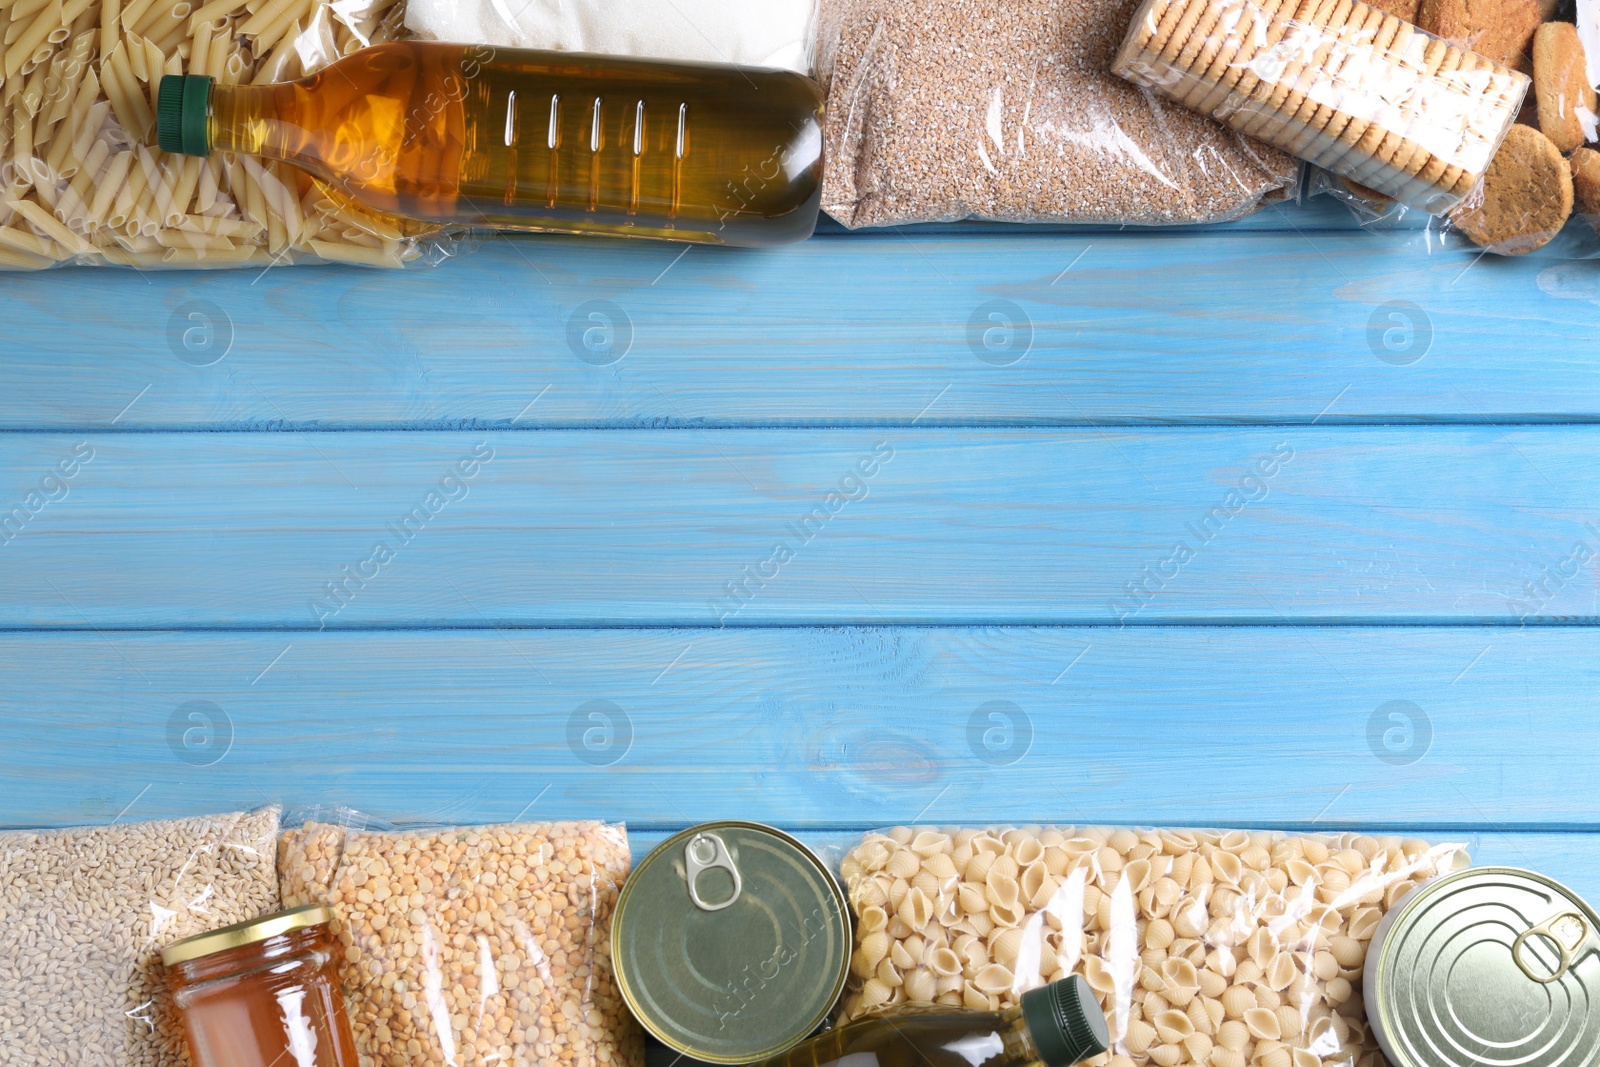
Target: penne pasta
point(23, 241)
point(343, 253)
point(82, 182)
point(65, 155)
point(14, 259)
point(52, 226)
point(107, 185)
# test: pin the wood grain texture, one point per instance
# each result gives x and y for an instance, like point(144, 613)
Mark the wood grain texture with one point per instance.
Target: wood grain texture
point(816, 728)
point(1237, 326)
point(742, 528)
point(829, 731)
point(631, 516)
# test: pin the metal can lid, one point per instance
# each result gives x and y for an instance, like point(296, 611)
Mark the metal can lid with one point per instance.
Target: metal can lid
point(1489, 967)
point(731, 942)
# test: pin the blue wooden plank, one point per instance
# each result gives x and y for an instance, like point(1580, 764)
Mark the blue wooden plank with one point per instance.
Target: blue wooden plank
point(794, 527)
point(935, 329)
point(1454, 729)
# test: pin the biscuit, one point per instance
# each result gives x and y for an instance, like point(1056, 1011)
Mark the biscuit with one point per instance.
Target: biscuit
point(1468, 80)
point(1341, 51)
point(1327, 120)
point(1174, 52)
point(1386, 137)
point(1376, 201)
point(1402, 145)
point(1358, 121)
point(1246, 91)
point(1155, 23)
point(1282, 97)
point(1525, 199)
point(1585, 164)
point(1219, 37)
point(1194, 33)
point(1234, 69)
point(1561, 85)
point(1498, 29)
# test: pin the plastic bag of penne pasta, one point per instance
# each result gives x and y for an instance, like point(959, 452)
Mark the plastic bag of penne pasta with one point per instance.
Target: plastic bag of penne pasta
point(1206, 947)
point(82, 183)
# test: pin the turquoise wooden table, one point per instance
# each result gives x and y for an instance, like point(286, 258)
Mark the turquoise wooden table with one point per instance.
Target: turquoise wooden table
point(1278, 524)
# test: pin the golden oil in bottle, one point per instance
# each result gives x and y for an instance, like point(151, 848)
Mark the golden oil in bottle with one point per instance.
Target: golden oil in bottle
point(1056, 1025)
point(526, 140)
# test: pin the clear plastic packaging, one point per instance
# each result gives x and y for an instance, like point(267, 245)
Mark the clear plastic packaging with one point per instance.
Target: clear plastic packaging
point(472, 945)
point(1578, 239)
point(948, 109)
point(85, 912)
point(1541, 191)
point(1348, 87)
point(1222, 948)
point(82, 183)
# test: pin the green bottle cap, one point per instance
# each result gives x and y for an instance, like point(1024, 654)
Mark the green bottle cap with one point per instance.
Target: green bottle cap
point(1065, 1021)
point(181, 112)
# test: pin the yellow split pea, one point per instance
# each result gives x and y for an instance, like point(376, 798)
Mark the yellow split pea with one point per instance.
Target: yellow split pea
point(469, 946)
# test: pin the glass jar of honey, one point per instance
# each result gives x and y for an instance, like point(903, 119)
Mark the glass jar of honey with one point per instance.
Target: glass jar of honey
point(263, 993)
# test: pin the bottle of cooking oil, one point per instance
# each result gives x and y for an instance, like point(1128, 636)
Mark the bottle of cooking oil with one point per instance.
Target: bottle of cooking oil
point(1056, 1025)
point(520, 139)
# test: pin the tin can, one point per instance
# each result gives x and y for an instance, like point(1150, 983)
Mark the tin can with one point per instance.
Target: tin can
point(1489, 967)
point(731, 942)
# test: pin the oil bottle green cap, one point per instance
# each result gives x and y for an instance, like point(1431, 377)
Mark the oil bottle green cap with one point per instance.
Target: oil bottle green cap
point(181, 113)
point(1065, 1021)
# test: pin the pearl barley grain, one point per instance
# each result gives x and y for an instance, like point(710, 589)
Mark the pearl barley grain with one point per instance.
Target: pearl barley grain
point(1207, 948)
point(86, 911)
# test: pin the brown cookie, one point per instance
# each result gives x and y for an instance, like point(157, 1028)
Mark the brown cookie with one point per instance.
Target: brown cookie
point(1561, 85)
point(1525, 199)
point(1299, 132)
point(1492, 111)
point(1585, 163)
point(1372, 198)
point(1400, 9)
point(1498, 29)
point(1155, 68)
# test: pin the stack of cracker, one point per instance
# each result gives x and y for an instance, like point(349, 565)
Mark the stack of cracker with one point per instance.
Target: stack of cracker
point(1346, 86)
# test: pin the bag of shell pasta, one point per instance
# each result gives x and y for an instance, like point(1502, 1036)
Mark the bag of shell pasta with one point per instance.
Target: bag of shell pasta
point(1223, 948)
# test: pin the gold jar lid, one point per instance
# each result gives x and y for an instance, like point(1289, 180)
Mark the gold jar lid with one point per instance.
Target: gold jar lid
point(248, 932)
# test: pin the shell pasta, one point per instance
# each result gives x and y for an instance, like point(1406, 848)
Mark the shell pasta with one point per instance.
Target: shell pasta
point(1207, 948)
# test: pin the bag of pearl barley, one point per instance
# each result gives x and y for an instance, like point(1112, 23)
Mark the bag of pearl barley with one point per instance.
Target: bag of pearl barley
point(85, 912)
point(1219, 948)
point(471, 945)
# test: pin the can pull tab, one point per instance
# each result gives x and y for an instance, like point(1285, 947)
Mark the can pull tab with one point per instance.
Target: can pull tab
point(701, 854)
point(1566, 931)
